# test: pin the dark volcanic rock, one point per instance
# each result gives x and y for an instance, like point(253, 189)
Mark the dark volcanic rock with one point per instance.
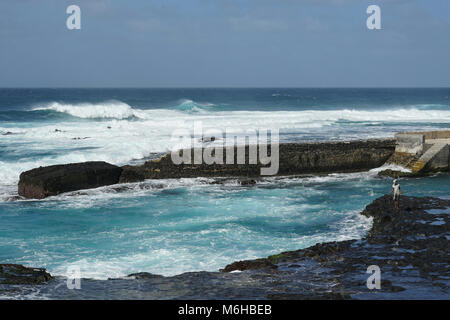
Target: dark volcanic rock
point(401, 174)
point(294, 159)
point(49, 181)
point(18, 274)
point(410, 246)
point(247, 182)
point(406, 160)
point(132, 174)
point(145, 275)
point(249, 265)
point(396, 174)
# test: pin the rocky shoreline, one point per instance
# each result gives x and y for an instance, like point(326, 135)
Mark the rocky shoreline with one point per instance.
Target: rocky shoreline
point(409, 246)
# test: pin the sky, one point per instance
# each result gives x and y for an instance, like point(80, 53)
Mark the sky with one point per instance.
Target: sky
point(225, 43)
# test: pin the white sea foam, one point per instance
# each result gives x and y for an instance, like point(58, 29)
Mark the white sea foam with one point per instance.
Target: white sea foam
point(328, 178)
point(114, 109)
point(126, 133)
point(394, 167)
point(110, 109)
point(120, 110)
point(176, 258)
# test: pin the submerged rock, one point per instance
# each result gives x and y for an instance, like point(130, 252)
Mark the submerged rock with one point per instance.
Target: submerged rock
point(79, 138)
point(145, 275)
point(247, 182)
point(207, 139)
point(397, 174)
point(53, 180)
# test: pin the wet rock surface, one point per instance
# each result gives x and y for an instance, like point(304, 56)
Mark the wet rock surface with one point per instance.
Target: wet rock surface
point(294, 159)
point(144, 275)
point(405, 160)
point(53, 180)
point(410, 246)
point(18, 274)
point(397, 174)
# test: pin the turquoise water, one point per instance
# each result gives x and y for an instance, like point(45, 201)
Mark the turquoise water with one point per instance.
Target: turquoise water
point(172, 226)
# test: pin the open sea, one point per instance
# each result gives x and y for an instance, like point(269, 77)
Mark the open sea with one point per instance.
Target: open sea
point(173, 226)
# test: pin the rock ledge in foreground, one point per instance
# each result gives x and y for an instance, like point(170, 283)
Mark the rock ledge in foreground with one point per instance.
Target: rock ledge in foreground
point(410, 246)
point(18, 274)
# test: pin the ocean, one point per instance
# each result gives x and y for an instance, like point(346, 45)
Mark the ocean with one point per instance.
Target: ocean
point(173, 226)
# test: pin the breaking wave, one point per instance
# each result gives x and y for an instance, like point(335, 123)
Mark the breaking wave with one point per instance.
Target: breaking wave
point(105, 110)
point(191, 106)
point(120, 111)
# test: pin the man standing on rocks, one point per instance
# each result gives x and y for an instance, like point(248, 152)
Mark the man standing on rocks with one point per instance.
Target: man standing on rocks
point(397, 191)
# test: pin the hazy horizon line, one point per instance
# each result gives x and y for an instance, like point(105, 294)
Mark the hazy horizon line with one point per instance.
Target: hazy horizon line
point(236, 87)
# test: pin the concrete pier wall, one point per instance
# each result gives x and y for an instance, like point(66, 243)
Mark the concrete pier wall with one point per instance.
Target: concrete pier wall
point(428, 135)
point(442, 158)
point(423, 151)
point(409, 143)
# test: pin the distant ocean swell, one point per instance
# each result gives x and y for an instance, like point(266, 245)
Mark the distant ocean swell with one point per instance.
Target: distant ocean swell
point(117, 109)
point(120, 110)
point(116, 132)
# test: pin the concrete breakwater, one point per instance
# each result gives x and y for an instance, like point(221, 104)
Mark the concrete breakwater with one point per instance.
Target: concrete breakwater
point(422, 152)
point(294, 159)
